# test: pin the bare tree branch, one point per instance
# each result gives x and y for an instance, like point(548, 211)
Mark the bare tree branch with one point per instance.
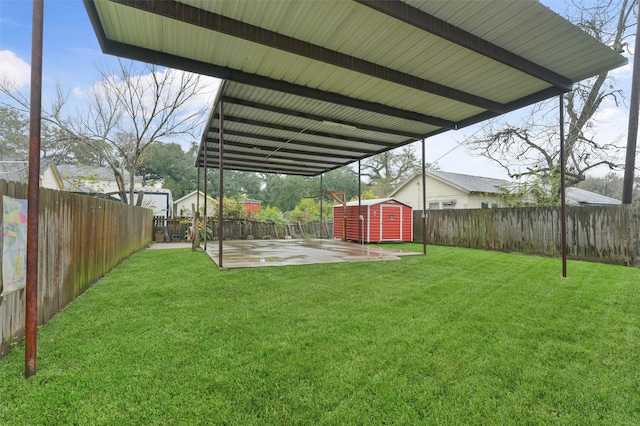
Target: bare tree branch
point(531, 149)
point(128, 109)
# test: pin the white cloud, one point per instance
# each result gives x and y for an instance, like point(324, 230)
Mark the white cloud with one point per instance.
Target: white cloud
point(611, 115)
point(205, 95)
point(78, 92)
point(14, 70)
point(190, 111)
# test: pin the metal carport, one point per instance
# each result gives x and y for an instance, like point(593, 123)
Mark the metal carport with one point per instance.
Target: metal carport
point(315, 85)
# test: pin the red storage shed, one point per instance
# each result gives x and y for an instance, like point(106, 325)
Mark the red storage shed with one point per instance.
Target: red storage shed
point(383, 219)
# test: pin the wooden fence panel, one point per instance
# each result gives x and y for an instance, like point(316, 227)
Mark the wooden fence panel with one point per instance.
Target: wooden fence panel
point(175, 229)
point(608, 234)
point(79, 240)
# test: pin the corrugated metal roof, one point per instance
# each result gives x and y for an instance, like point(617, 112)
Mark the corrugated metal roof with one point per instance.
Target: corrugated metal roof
point(14, 170)
point(469, 183)
point(74, 171)
point(463, 182)
point(388, 73)
point(583, 197)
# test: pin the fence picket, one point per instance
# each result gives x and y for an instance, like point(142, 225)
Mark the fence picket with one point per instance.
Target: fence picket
point(80, 238)
point(608, 234)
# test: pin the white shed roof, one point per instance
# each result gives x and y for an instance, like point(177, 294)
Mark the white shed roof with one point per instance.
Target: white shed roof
point(372, 202)
point(314, 85)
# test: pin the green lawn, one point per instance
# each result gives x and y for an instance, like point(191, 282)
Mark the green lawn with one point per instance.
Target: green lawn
point(457, 337)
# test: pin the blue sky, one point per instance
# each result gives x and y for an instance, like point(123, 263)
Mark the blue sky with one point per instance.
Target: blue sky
point(71, 50)
point(72, 54)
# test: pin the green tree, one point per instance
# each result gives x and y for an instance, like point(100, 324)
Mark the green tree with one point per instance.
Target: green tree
point(272, 214)
point(308, 210)
point(284, 192)
point(14, 134)
point(168, 163)
point(237, 184)
point(384, 172)
point(56, 145)
point(609, 185)
point(342, 179)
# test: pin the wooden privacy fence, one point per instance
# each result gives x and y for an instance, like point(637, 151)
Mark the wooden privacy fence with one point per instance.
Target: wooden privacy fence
point(241, 229)
point(175, 229)
point(172, 229)
point(608, 234)
point(80, 238)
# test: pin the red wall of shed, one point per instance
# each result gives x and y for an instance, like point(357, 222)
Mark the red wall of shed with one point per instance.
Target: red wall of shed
point(377, 225)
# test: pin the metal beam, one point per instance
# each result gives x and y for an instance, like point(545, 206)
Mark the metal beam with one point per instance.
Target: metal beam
point(271, 150)
point(424, 201)
point(563, 198)
point(222, 24)
point(261, 157)
point(256, 169)
point(632, 129)
point(173, 61)
point(320, 118)
point(204, 215)
point(221, 189)
point(321, 216)
point(360, 218)
point(292, 129)
point(273, 165)
point(234, 160)
point(204, 68)
point(512, 106)
point(429, 23)
point(294, 141)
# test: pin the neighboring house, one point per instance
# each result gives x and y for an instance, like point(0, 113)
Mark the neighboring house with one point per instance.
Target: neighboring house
point(183, 205)
point(451, 191)
point(582, 197)
point(447, 190)
point(89, 179)
point(159, 200)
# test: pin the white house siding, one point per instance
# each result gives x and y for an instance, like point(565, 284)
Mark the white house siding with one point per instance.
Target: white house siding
point(183, 205)
point(440, 193)
point(85, 179)
point(49, 180)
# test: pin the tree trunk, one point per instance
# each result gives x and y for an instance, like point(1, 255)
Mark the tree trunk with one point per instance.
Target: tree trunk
point(120, 181)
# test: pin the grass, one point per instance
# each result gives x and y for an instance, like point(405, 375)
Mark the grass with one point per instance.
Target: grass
point(457, 337)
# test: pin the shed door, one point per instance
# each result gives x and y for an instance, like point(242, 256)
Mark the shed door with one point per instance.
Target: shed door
point(391, 223)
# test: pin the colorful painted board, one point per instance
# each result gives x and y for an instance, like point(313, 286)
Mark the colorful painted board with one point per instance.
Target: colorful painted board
point(14, 247)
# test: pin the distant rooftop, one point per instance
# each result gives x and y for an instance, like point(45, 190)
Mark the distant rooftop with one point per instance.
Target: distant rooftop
point(73, 171)
point(587, 198)
point(466, 183)
point(14, 171)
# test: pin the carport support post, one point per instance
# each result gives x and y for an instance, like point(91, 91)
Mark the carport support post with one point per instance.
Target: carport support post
point(198, 193)
point(221, 191)
point(321, 216)
point(360, 218)
point(196, 217)
point(33, 193)
point(563, 203)
point(424, 202)
point(632, 132)
point(204, 215)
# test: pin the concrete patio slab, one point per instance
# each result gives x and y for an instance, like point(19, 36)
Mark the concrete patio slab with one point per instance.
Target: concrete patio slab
point(261, 253)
